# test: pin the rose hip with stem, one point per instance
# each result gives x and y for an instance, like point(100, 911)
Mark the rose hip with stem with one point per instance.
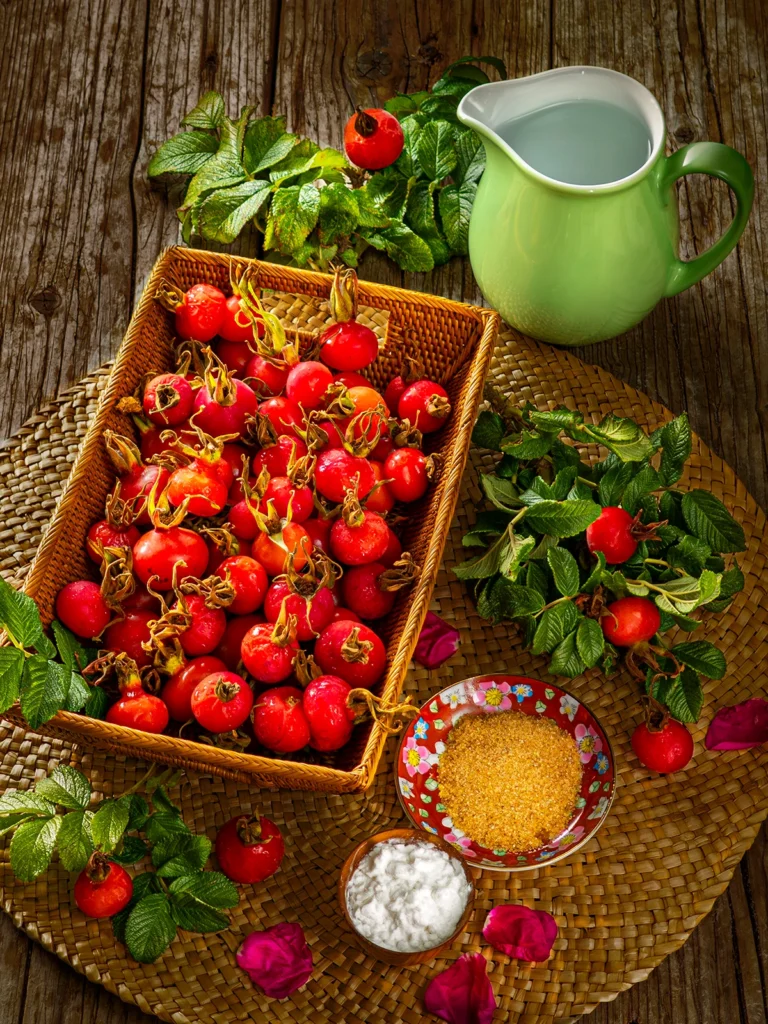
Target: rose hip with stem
point(177, 691)
point(221, 702)
point(199, 312)
point(279, 722)
point(135, 708)
point(249, 848)
point(353, 652)
point(137, 479)
point(425, 405)
point(373, 138)
point(250, 582)
point(223, 404)
point(269, 651)
point(81, 608)
point(328, 715)
point(630, 621)
point(103, 888)
point(358, 536)
point(168, 399)
point(346, 344)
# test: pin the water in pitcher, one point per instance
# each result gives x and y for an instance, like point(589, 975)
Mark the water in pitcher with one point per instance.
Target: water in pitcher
point(580, 142)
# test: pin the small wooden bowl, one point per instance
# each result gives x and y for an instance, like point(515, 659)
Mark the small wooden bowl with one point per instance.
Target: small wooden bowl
point(403, 835)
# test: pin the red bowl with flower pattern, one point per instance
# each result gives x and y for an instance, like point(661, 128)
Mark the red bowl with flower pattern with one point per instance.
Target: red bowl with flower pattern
point(418, 760)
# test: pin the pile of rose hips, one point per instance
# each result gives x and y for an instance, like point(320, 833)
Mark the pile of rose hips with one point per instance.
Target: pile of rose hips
point(247, 552)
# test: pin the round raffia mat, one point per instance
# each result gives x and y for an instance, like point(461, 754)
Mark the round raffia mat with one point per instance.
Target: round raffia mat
point(632, 896)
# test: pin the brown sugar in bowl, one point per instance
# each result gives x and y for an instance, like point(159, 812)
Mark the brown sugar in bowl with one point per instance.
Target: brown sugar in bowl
point(403, 835)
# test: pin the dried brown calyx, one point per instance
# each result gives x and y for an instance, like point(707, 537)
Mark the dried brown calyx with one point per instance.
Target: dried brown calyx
point(122, 451)
point(222, 539)
point(338, 403)
point(235, 739)
point(305, 668)
point(301, 469)
point(117, 664)
point(354, 650)
point(190, 361)
point(284, 631)
point(364, 430)
point(117, 512)
point(218, 379)
point(392, 717)
point(170, 296)
point(404, 435)
point(365, 124)
point(163, 645)
point(249, 830)
point(438, 406)
point(161, 513)
point(117, 579)
point(260, 430)
point(319, 571)
point(217, 592)
point(314, 436)
point(402, 573)
point(272, 342)
point(351, 510)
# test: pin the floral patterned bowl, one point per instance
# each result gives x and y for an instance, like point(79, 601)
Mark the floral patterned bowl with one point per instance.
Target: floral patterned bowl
point(423, 742)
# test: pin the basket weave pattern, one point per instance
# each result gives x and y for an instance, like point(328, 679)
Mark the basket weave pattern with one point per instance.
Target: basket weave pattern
point(631, 897)
point(453, 341)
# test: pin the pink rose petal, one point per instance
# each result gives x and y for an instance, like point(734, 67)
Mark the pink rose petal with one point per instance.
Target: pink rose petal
point(520, 932)
point(278, 959)
point(437, 642)
point(462, 994)
point(739, 727)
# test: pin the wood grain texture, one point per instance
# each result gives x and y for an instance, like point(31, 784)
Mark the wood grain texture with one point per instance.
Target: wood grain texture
point(92, 87)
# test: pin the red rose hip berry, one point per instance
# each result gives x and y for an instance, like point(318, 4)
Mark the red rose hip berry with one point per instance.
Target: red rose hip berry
point(249, 849)
point(351, 651)
point(81, 608)
point(222, 701)
point(665, 748)
point(630, 620)
point(425, 405)
point(373, 138)
point(200, 313)
point(103, 888)
point(279, 722)
point(611, 534)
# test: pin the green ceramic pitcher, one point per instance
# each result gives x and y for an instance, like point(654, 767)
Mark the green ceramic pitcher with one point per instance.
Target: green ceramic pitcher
point(578, 263)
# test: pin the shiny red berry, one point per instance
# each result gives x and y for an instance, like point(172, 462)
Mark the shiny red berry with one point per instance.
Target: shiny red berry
point(81, 608)
point(373, 138)
point(249, 849)
point(103, 888)
point(611, 533)
point(630, 620)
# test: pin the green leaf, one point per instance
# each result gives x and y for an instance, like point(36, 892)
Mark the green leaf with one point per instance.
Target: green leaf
point(615, 581)
point(536, 578)
point(502, 599)
point(501, 493)
point(555, 623)
point(260, 136)
point(565, 571)
point(566, 660)
point(539, 490)
point(79, 693)
point(150, 928)
point(486, 564)
point(488, 430)
point(595, 574)
point(292, 216)
point(689, 553)
point(185, 153)
point(711, 521)
point(138, 812)
point(110, 821)
point(420, 215)
point(562, 518)
point(339, 212)
point(470, 155)
point(196, 917)
point(489, 525)
point(555, 419)
point(518, 550)
point(32, 847)
point(465, 66)
point(676, 444)
point(11, 670)
point(527, 444)
point(686, 697)
point(401, 104)
point(279, 150)
point(642, 483)
point(613, 482)
point(701, 656)
point(408, 161)
point(131, 850)
point(678, 596)
point(75, 843)
point(97, 703)
point(180, 855)
point(209, 112)
point(17, 801)
point(455, 210)
point(19, 615)
point(621, 436)
point(66, 786)
point(143, 885)
point(72, 653)
point(162, 802)
point(561, 485)
point(307, 162)
point(44, 687)
point(590, 642)
point(224, 214)
point(224, 168)
point(163, 824)
point(209, 887)
point(387, 191)
point(402, 245)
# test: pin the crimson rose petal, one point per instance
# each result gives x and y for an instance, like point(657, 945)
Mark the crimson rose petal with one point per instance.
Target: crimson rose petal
point(739, 727)
point(278, 959)
point(437, 641)
point(520, 932)
point(462, 994)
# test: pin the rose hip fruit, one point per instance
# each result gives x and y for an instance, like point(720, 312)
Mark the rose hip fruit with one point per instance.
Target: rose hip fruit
point(277, 458)
point(178, 690)
point(104, 535)
point(274, 556)
point(361, 542)
point(229, 648)
point(313, 614)
point(249, 849)
point(103, 888)
point(168, 399)
point(206, 630)
point(284, 415)
point(126, 635)
point(630, 620)
point(373, 138)
point(325, 708)
point(307, 383)
point(406, 472)
point(200, 314)
point(664, 750)
point(283, 493)
point(250, 581)
point(235, 325)
point(362, 593)
point(338, 472)
point(267, 379)
point(425, 405)
point(267, 659)
point(351, 651)
point(348, 346)
point(222, 701)
point(158, 552)
point(279, 722)
point(611, 533)
point(81, 608)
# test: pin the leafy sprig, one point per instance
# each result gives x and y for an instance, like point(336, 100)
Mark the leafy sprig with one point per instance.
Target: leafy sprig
point(174, 891)
point(44, 677)
point(310, 205)
point(536, 569)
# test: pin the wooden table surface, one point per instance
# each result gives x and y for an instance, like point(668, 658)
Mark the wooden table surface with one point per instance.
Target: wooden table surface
point(93, 86)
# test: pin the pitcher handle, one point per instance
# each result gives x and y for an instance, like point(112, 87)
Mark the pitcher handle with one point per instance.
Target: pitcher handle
point(721, 162)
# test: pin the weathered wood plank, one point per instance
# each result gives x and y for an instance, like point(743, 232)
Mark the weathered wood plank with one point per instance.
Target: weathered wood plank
point(193, 46)
point(15, 951)
point(72, 75)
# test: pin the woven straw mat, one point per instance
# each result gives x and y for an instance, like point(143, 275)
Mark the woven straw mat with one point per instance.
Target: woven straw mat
point(632, 896)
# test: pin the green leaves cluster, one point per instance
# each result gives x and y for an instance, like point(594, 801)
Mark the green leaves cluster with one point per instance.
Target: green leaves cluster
point(310, 205)
point(174, 891)
point(535, 567)
point(42, 676)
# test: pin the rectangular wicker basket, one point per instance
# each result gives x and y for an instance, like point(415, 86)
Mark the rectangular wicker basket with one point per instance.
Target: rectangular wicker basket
point(455, 343)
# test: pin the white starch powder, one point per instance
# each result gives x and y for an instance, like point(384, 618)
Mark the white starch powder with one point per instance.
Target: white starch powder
point(407, 896)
